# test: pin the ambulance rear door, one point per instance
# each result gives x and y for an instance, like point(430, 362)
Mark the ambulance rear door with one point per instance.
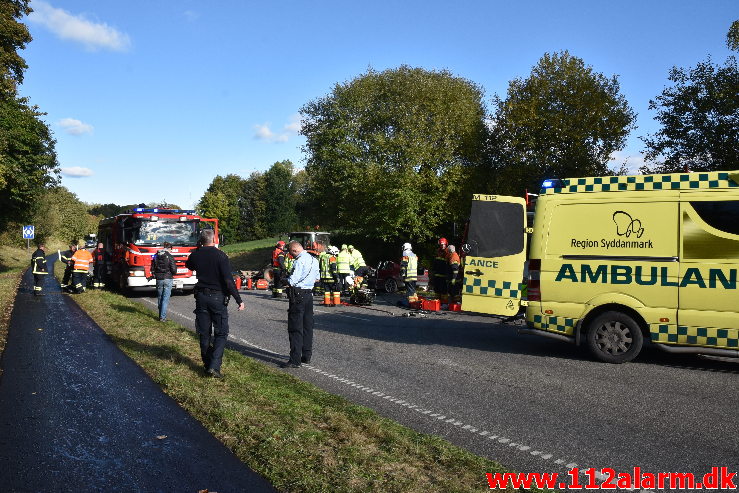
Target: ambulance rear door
point(495, 254)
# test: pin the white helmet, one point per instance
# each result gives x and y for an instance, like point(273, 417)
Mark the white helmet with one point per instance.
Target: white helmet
point(407, 246)
point(333, 250)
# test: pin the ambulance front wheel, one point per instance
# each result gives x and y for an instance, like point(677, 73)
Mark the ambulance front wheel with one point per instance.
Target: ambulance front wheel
point(614, 337)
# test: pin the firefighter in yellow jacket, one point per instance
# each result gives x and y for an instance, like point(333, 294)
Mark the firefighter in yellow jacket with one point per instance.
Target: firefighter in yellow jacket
point(81, 261)
point(38, 267)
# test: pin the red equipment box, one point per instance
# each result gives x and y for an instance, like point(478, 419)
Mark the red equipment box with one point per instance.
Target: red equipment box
point(431, 305)
point(416, 305)
point(455, 307)
point(262, 284)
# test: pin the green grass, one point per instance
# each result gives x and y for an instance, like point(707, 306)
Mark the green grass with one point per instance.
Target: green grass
point(248, 246)
point(301, 438)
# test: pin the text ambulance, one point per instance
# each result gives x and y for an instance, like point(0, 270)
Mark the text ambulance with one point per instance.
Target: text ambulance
point(614, 260)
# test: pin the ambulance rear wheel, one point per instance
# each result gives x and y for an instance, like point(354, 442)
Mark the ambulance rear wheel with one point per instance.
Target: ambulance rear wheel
point(614, 337)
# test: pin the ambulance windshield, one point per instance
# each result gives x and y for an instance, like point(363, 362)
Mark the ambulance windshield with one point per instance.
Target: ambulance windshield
point(178, 233)
point(496, 229)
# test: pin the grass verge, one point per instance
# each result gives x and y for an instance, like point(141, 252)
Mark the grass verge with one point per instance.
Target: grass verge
point(299, 437)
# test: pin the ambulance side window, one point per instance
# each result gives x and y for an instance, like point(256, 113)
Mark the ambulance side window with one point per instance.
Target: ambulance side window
point(722, 215)
point(496, 229)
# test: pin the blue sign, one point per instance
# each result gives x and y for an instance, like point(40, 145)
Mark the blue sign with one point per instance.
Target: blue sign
point(28, 232)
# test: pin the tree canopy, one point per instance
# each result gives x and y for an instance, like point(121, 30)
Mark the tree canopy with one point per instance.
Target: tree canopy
point(386, 151)
point(564, 120)
point(699, 117)
point(14, 36)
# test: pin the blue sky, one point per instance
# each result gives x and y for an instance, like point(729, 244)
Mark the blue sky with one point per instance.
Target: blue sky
point(149, 100)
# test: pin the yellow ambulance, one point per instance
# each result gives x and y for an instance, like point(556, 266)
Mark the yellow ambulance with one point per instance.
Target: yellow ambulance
point(613, 261)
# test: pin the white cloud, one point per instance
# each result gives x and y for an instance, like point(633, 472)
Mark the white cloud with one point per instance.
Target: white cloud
point(264, 132)
point(632, 162)
point(94, 35)
point(75, 127)
point(77, 172)
point(295, 125)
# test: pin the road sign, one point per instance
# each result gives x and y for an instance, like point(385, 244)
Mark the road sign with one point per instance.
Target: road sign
point(28, 232)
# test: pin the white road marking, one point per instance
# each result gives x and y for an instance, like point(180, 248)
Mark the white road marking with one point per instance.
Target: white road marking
point(402, 402)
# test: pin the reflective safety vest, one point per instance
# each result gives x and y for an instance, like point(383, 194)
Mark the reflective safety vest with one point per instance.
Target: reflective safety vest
point(357, 259)
point(288, 265)
point(38, 262)
point(325, 262)
point(81, 260)
point(454, 267)
point(409, 267)
point(344, 262)
point(276, 260)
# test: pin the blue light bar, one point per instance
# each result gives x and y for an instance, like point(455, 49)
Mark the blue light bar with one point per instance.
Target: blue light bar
point(547, 184)
point(142, 210)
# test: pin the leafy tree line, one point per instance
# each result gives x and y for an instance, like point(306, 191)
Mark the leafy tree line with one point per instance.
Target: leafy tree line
point(262, 205)
point(28, 163)
point(395, 155)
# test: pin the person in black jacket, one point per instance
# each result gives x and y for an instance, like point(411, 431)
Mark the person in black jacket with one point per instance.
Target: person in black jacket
point(215, 286)
point(163, 269)
point(38, 266)
point(66, 258)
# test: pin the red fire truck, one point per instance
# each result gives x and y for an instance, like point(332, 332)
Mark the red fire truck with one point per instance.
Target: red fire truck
point(133, 238)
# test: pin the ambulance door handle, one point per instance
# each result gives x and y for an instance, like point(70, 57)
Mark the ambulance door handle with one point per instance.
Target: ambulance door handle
point(476, 273)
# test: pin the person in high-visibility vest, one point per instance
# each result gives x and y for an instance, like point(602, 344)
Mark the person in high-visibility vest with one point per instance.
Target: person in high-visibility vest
point(38, 266)
point(454, 280)
point(278, 268)
point(66, 258)
point(409, 272)
point(358, 264)
point(81, 261)
point(344, 266)
point(100, 258)
point(326, 264)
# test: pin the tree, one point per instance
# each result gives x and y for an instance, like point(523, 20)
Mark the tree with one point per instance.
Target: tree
point(280, 215)
point(699, 116)
point(14, 36)
point(732, 37)
point(62, 215)
point(564, 120)
point(27, 160)
point(387, 151)
point(220, 201)
point(253, 207)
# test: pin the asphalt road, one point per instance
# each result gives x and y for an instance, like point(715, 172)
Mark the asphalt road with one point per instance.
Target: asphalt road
point(530, 403)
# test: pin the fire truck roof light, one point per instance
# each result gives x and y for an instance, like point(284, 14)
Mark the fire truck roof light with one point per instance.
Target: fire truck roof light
point(142, 210)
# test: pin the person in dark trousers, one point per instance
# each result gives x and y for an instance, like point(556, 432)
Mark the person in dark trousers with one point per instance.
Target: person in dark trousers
point(301, 281)
point(38, 266)
point(100, 267)
point(66, 258)
point(163, 269)
point(212, 291)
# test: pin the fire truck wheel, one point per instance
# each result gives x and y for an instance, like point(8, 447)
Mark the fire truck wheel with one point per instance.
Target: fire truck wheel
point(123, 283)
point(614, 337)
point(390, 285)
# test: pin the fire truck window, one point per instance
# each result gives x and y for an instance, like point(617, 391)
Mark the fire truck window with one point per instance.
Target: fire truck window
point(151, 233)
point(496, 229)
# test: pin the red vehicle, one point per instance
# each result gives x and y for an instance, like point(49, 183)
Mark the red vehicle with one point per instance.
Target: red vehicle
point(387, 276)
point(133, 238)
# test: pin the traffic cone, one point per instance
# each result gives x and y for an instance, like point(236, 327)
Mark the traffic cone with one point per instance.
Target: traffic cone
point(326, 298)
point(337, 298)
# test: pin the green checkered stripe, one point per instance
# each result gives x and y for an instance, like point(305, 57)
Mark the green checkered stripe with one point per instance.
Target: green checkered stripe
point(695, 336)
point(501, 289)
point(560, 325)
point(673, 181)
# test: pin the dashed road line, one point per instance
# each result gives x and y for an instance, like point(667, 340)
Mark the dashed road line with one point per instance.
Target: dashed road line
point(401, 402)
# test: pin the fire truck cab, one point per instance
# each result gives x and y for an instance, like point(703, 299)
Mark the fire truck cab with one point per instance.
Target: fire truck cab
point(133, 238)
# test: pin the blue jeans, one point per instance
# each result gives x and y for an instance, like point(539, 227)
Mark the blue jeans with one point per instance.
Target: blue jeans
point(164, 290)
